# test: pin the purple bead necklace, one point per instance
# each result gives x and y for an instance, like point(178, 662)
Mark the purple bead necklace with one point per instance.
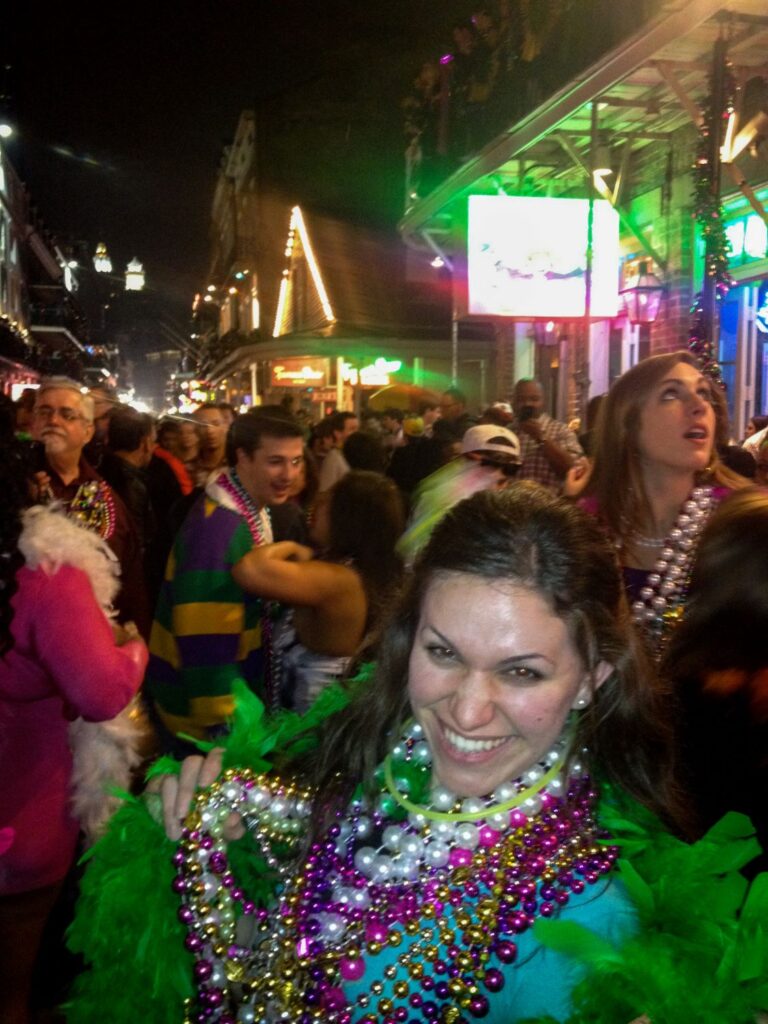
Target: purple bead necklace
point(444, 930)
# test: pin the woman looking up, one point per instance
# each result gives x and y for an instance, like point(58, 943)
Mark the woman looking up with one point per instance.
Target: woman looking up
point(657, 478)
point(338, 597)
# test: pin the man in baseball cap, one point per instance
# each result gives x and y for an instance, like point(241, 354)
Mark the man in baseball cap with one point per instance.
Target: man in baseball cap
point(493, 447)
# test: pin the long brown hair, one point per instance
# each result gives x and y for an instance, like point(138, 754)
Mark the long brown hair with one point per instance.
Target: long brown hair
point(726, 616)
point(365, 522)
point(617, 478)
point(522, 534)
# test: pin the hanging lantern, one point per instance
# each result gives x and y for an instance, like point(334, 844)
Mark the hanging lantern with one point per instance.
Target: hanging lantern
point(642, 295)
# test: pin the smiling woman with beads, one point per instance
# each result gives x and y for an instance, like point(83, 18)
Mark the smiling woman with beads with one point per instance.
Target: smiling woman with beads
point(656, 480)
point(419, 860)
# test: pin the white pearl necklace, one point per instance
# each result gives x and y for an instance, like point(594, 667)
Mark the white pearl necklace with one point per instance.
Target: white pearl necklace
point(667, 583)
point(426, 837)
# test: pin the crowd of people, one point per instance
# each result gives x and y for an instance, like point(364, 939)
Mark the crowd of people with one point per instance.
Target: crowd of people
point(440, 712)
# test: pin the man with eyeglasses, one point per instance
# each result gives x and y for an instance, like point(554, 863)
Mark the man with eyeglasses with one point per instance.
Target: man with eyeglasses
point(62, 421)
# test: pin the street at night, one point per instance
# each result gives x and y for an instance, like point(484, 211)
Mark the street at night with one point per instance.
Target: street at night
point(384, 529)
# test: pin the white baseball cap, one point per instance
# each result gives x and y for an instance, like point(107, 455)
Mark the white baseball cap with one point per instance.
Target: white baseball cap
point(488, 437)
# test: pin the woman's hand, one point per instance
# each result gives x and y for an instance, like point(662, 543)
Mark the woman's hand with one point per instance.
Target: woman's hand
point(577, 477)
point(178, 791)
point(124, 632)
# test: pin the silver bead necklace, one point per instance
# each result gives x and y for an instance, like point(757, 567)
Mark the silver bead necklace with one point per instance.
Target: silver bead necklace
point(667, 583)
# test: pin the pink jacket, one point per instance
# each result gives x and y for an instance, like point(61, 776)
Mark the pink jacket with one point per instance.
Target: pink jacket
point(64, 664)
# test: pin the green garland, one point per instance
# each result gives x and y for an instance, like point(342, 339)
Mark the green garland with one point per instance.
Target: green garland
point(701, 953)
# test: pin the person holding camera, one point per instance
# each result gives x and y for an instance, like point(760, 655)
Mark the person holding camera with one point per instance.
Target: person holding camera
point(549, 448)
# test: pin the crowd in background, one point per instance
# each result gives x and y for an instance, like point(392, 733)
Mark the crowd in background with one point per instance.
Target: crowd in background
point(264, 548)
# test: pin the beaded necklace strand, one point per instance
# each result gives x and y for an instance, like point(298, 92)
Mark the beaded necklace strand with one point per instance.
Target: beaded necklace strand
point(260, 526)
point(94, 506)
point(661, 600)
point(445, 892)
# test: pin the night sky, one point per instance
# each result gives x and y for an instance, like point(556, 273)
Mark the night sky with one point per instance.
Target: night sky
point(123, 112)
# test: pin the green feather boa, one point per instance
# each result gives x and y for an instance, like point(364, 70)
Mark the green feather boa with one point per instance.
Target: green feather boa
point(701, 953)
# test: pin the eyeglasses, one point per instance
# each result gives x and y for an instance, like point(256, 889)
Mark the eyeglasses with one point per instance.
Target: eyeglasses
point(47, 412)
point(507, 468)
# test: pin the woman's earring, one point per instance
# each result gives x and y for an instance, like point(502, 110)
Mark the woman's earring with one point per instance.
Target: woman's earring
point(581, 702)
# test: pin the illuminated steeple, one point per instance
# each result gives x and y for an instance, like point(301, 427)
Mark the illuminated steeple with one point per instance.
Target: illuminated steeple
point(101, 261)
point(134, 276)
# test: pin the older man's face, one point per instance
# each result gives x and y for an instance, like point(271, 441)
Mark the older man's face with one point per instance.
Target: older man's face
point(59, 421)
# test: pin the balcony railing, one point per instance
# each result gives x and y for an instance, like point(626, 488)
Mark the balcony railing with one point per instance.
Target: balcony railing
point(498, 71)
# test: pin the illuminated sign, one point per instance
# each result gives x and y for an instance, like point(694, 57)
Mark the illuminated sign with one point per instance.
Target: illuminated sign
point(298, 373)
point(761, 313)
point(748, 237)
point(376, 375)
point(527, 257)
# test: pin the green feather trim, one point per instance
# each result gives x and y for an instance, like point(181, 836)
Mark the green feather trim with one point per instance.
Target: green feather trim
point(701, 953)
point(127, 916)
point(126, 926)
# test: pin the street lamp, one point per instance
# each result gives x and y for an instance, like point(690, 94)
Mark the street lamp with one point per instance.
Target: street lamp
point(642, 295)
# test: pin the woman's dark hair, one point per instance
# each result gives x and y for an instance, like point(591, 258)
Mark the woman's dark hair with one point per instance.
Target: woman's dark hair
point(759, 423)
point(366, 520)
point(617, 478)
point(15, 464)
point(526, 536)
point(726, 615)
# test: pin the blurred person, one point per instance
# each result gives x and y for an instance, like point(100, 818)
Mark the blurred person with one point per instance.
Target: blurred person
point(587, 439)
point(761, 465)
point(656, 479)
point(755, 425)
point(321, 440)
point(339, 597)
point(212, 432)
point(228, 411)
point(169, 486)
point(63, 663)
point(104, 401)
point(167, 474)
point(549, 448)
point(499, 413)
point(334, 465)
point(130, 446)
point(25, 406)
point(489, 459)
point(188, 443)
point(392, 422)
point(454, 418)
point(410, 463)
point(63, 422)
point(429, 413)
point(364, 451)
point(208, 630)
point(717, 664)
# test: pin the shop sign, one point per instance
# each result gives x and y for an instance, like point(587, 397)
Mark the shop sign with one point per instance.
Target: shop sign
point(375, 375)
point(299, 373)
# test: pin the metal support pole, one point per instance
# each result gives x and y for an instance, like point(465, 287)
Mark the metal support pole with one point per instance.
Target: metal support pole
point(709, 290)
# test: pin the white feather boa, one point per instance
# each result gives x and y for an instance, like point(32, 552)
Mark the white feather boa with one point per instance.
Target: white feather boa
point(103, 753)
